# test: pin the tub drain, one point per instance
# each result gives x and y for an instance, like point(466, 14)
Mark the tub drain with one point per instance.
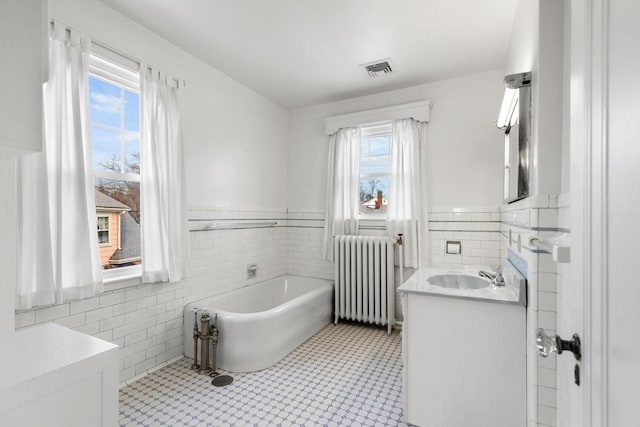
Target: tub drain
point(222, 380)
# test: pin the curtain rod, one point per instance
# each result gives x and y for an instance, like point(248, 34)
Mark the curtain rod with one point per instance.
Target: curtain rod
point(118, 52)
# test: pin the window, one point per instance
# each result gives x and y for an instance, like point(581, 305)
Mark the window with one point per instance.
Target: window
point(114, 108)
point(375, 146)
point(103, 229)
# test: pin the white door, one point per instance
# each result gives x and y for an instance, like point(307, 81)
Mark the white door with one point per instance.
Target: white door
point(602, 301)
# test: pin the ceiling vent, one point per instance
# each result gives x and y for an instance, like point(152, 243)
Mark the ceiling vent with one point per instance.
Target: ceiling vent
point(381, 67)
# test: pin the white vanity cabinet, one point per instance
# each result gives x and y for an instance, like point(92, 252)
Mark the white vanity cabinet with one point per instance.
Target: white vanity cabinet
point(56, 377)
point(23, 60)
point(464, 359)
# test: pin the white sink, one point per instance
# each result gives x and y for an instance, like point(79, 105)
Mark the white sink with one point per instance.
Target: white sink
point(458, 281)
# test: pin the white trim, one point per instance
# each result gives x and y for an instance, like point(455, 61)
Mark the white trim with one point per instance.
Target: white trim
point(589, 197)
point(122, 277)
point(420, 111)
point(595, 201)
point(596, 399)
point(113, 73)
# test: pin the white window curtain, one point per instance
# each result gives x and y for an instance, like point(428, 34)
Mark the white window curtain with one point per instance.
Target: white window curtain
point(342, 187)
point(57, 239)
point(164, 230)
point(408, 196)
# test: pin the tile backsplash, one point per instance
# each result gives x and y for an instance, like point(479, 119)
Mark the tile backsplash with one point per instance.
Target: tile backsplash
point(477, 230)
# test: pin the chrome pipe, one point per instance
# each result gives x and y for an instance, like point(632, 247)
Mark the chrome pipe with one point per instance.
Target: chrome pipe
point(205, 336)
point(214, 341)
point(400, 243)
point(196, 335)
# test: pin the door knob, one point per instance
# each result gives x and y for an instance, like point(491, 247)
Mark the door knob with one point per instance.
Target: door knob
point(547, 345)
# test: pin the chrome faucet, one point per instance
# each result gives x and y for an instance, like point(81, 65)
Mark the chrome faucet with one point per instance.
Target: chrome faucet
point(496, 278)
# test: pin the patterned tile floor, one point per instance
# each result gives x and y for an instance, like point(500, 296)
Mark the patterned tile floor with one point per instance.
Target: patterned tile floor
point(344, 375)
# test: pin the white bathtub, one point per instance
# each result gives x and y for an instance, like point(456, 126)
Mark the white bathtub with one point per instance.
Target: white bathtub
point(260, 324)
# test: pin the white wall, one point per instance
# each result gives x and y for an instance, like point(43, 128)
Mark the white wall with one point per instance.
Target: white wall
point(464, 146)
point(522, 54)
point(235, 139)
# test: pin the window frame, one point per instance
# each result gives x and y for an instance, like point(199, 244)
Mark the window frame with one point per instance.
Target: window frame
point(114, 73)
point(369, 131)
point(108, 229)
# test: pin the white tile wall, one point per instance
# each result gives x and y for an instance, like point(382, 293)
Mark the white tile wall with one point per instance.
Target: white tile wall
point(478, 230)
point(305, 232)
point(146, 320)
point(521, 220)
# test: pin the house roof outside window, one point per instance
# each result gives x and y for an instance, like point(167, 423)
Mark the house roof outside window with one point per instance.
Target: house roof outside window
point(106, 203)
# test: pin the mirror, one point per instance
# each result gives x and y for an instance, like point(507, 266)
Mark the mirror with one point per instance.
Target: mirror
point(515, 120)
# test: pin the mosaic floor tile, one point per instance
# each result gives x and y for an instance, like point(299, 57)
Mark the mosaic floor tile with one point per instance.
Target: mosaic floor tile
point(345, 375)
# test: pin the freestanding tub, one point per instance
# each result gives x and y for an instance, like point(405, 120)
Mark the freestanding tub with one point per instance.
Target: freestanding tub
point(262, 323)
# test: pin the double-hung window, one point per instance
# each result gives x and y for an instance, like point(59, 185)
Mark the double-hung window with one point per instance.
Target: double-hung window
point(114, 107)
point(375, 152)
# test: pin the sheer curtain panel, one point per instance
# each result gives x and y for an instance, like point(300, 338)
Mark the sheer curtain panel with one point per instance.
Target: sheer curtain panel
point(57, 239)
point(407, 193)
point(342, 187)
point(164, 231)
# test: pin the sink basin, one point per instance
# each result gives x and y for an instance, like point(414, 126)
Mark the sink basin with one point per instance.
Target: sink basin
point(458, 281)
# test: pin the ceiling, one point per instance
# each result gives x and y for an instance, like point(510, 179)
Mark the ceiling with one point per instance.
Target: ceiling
point(304, 52)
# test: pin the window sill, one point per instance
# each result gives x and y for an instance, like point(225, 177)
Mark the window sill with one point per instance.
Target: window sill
point(121, 278)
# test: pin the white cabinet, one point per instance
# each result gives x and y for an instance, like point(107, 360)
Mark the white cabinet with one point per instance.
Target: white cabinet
point(464, 362)
point(23, 59)
point(53, 376)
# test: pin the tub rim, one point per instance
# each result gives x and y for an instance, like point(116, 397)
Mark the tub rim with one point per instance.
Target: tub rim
point(326, 285)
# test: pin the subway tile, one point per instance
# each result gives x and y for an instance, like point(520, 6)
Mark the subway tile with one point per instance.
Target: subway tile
point(146, 323)
point(106, 335)
point(549, 362)
point(145, 344)
point(127, 373)
point(546, 301)
point(89, 328)
point(26, 318)
point(546, 264)
point(547, 396)
point(546, 415)
point(72, 321)
point(145, 365)
point(134, 359)
point(547, 282)
point(135, 294)
point(124, 308)
point(547, 377)
point(548, 217)
point(51, 313)
point(134, 316)
point(123, 330)
point(111, 322)
point(99, 314)
point(83, 305)
point(135, 337)
point(547, 320)
point(112, 299)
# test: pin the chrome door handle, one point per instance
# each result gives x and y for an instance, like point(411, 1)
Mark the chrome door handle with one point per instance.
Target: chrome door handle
point(547, 345)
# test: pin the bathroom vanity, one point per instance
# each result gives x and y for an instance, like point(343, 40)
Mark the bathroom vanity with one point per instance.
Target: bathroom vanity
point(463, 348)
point(53, 376)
